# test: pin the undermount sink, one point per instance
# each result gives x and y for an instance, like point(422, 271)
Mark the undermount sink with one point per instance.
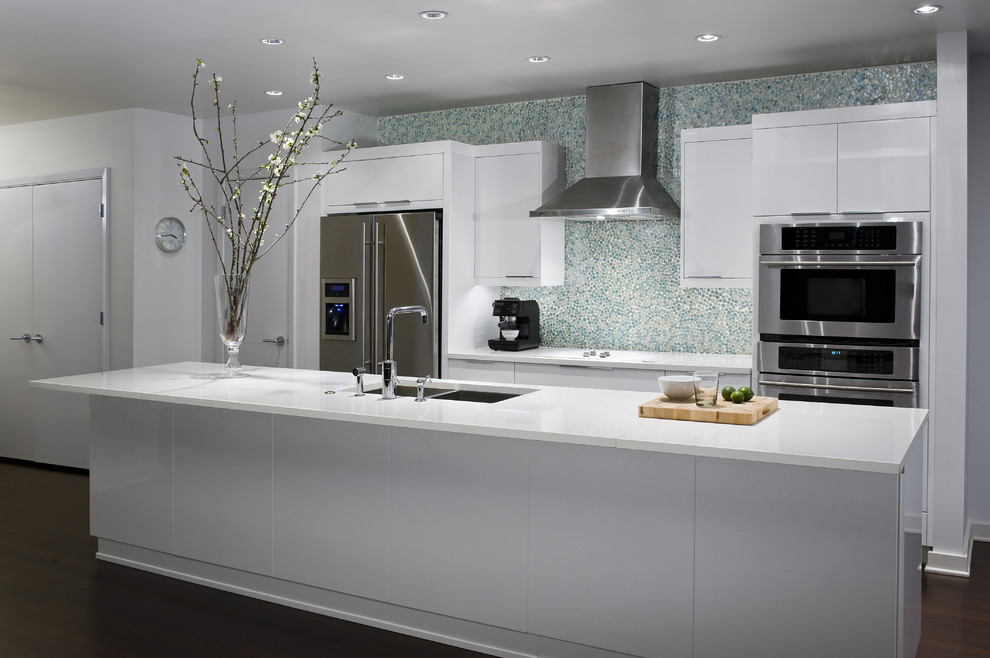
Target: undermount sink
point(459, 392)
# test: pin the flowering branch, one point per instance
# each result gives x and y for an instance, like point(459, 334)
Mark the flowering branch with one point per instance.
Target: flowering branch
point(244, 224)
point(245, 228)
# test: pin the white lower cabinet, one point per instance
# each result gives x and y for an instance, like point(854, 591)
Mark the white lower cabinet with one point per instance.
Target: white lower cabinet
point(458, 519)
point(581, 376)
point(612, 538)
point(833, 532)
point(223, 487)
point(576, 375)
point(130, 476)
point(331, 505)
point(477, 370)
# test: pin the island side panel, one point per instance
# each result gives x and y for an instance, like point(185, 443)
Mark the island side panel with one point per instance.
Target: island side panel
point(223, 487)
point(331, 505)
point(130, 472)
point(612, 548)
point(795, 561)
point(458, 520)
point(911, 503)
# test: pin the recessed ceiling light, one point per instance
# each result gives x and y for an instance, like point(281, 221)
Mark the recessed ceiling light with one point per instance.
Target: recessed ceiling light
point(433, 14)
point(539, 59)
point(274, 92)
point(927, 9)
point(707, 38)
point(272, 41)
point(394, 76)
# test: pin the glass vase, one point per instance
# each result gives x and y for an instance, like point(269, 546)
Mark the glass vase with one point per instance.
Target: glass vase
point(232, 299)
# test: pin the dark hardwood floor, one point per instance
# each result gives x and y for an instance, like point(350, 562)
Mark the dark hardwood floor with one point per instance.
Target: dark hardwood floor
point(57, 600)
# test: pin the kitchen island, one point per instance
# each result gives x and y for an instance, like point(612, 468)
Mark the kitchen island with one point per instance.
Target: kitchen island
point(555, 523)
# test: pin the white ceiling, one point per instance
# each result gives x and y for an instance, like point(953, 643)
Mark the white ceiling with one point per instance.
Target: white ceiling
point(66, 57)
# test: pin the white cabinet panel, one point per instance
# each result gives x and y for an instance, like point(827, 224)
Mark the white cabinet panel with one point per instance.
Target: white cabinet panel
point(612, 538)
point(735, 380)
point(716, 206)
point(512, 248)
point(412, 178)
point(580, 376)
point(497, 372)
point(794, 170)
point(331, 505)
point(223, 487)
point(458, 525)
point(357, 182)
point(383, 181)
point(793, 559)
point(884, 166)
point(130, 471)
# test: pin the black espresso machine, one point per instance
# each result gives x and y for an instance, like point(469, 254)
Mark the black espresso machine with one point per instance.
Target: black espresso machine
point(518, 324)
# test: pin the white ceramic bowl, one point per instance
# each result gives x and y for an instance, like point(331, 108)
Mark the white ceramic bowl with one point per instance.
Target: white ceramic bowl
point(677, 387)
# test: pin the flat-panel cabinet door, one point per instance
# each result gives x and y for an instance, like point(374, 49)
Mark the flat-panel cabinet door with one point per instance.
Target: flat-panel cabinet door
point(580, 376)
point(412, 178)
point(716, 201)
point(885, 166)
point(356, 182)
point(794, 170)
point(477, 370)
point(507, 239)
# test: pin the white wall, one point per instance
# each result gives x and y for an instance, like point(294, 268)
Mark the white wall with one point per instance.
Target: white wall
point(978, 347)
point(167, 309)
point(157, 302)
point(90, 141)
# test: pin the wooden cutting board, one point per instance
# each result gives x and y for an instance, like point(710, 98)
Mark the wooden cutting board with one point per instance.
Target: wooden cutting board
point(746, 413)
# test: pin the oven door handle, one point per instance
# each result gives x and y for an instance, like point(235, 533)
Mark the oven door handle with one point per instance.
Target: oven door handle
point(839, 263)
point(835, 387)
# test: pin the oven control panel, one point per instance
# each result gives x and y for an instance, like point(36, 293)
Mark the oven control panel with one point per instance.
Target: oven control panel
point(829, 238)
point(833, 359)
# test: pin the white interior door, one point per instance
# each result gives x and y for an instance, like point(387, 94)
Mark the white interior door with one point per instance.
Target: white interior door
point(53, 252)
point(68, 302)
point(15, 321)
point(271, 290)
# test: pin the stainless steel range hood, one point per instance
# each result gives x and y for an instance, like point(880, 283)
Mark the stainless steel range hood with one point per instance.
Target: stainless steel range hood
point(620, 165)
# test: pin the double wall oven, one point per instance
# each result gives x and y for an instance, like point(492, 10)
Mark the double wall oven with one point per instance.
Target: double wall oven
point(840, 304)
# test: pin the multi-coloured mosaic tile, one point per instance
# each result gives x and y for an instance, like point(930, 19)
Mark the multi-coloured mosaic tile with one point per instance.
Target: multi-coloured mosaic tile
point(621, 284)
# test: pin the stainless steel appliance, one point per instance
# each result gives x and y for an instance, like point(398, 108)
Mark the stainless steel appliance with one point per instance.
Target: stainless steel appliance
point(368, 265)
point(884, 375)
point(854, 280)
point(620, 163)
point(518, 324)
point(840, 310)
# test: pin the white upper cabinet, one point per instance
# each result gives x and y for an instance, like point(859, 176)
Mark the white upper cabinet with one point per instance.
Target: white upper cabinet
point(716, 198)
point(794, 170)
point(382, 182)
point(869, 159)
point(884, 166)
point(512, 248)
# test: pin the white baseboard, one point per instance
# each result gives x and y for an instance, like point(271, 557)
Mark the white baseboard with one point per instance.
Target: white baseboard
point(951, 564)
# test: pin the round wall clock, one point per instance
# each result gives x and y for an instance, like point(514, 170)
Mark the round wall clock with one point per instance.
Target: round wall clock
point(170, 234)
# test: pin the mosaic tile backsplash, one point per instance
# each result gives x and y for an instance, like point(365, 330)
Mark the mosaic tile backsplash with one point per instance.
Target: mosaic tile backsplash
point(621, 282)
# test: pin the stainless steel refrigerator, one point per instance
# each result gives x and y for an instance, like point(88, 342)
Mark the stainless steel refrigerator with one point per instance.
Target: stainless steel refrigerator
point(368, 265)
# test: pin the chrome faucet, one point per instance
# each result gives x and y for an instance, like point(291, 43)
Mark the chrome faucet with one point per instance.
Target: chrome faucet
point(389, 371)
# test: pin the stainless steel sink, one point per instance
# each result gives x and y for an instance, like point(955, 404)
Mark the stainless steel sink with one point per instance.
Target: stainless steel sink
point(476, 396)
point(462, 393)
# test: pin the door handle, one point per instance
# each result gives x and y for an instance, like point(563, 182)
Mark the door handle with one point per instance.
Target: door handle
point(278, 340)
point(27, 338)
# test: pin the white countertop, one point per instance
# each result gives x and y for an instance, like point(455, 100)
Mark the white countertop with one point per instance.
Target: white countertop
point(849, 437)
point(686, 361)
